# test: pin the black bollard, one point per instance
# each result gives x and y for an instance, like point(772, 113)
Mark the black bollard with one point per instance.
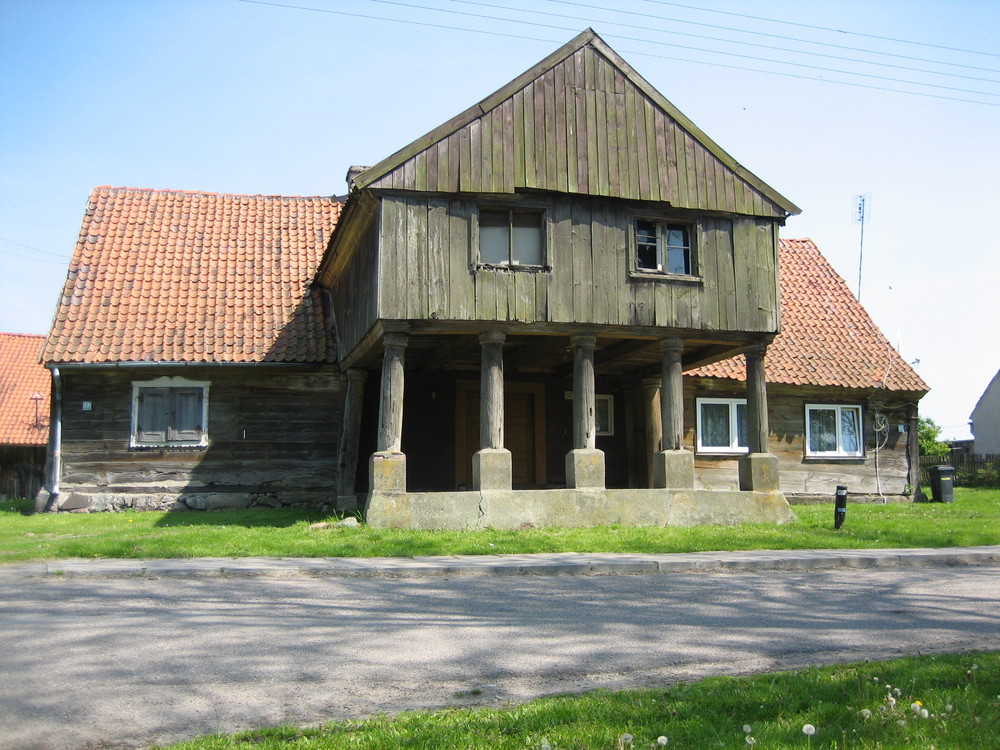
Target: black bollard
point(840, 508)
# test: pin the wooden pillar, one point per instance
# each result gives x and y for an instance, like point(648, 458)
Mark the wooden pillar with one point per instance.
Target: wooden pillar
point(390, 412)
point(491, 390)
point(584, 402)
point(672, 395)
point(492, 465)
point(347, 463)
point(757, 399)
point(584, 464)
point(758, 469)
point(654, 424)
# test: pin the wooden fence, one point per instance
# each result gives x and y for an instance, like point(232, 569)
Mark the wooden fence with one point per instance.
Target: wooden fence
point(970, 470)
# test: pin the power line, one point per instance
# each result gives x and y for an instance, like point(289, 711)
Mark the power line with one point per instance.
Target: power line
point(28, 257)
point(825, 28)
point(688, 47)
point(486, 32)
point(690, 35)
point(36, 249)
point(777, 36)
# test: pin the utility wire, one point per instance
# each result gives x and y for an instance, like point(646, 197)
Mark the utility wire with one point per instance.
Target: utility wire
point(778, 36)
point(36, 249)
point(690, 35)
point(688, 47)
point(825, 28)
point(28, 257)
point(428, 24)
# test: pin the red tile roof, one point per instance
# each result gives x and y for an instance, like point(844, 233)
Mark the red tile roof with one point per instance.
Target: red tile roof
point(827, 337)
point(22, 376)
point(175, 276)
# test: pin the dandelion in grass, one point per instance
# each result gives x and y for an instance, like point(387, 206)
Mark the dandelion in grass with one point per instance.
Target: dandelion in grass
point(808, 730)
point(865, 713)
point(750, 741)
point(545, 744)
point(661, 740)
point(747, 729)
point(916, 706)
point(901, 722)
point(625, 741)
point(924, 713)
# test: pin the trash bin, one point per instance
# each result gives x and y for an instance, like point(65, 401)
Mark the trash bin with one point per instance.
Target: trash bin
point(942, 483)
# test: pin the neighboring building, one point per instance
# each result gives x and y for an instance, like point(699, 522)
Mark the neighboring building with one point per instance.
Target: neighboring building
point(985, 421)
point(24, 414)
point(842, 402)
point(520, 270)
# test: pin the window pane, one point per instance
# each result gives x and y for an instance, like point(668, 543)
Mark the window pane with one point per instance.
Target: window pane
point(678, 250)
point(152, 420)
point(645, 241)
point(849, 431)
point(742, 426)
point(715, 426)
point(528, 239)
point(822, 430)
point(494, 237)
point(186, 423)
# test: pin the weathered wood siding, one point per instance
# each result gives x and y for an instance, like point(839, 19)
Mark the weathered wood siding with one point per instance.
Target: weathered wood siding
point(273, 436)
point(581, 126)
point(354, 291)
point(427, 269)
point(799, 475)
point(21, 471)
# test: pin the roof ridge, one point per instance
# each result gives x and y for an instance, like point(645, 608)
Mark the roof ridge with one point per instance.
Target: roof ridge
point(209, 193)
point(23, 335)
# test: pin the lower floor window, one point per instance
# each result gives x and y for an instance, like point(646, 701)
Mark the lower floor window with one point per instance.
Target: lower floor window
point(833, 430)
point(722, 425)
point(169, 412)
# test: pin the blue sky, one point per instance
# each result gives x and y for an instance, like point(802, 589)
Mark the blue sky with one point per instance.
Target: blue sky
point(248, 97)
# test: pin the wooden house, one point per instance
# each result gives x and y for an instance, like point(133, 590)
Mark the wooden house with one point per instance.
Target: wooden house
point(24, 415)
point(490, 331)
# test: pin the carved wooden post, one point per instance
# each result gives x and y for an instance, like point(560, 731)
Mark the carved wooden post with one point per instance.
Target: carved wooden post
point(758, 469)
point(347, 463)
point(387, 467)
point(673, 467)
point(491, 390)
point(672, 395)
point(390, 412)
point(584, 464)
point(492, 468)
point(654, 424)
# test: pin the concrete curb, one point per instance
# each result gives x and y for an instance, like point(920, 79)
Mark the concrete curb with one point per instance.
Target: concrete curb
point(550, 564)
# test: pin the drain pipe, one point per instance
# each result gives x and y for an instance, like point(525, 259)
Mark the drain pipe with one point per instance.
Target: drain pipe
point(55, 445)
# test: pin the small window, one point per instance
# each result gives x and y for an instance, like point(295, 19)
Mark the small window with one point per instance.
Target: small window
point(169, 412)
point(604, 412)
point(834, 431)
point(509, 237)
point(722, 425)
point(663, 247)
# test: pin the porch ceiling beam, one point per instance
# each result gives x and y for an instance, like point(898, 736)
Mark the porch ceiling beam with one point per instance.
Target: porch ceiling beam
point(529, 353)
point(462, 345)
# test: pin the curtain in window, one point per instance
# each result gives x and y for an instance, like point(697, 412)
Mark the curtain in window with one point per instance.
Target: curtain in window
point(822, 430)
point(742, 426)
point(715, 426)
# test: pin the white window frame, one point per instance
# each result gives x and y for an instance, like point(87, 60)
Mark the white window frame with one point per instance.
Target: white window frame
point(662, 250)
point(169, 382)
point(512, 262)
point(734, 447)
point(602, 401)
point(839, 452)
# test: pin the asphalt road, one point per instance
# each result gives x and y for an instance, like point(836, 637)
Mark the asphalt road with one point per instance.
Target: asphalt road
point(123, 663)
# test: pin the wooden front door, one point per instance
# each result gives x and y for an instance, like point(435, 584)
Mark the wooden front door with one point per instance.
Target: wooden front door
point(524, 432)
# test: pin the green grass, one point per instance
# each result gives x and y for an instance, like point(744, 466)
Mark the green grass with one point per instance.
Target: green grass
point(973, 519)
point(961, 694)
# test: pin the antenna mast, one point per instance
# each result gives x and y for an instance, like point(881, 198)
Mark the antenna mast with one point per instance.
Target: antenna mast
point(862, 203)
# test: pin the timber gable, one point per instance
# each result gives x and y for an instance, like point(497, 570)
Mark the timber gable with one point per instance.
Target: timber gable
point(582, 121)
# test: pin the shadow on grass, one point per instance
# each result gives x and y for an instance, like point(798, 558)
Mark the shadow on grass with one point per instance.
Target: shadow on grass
point(249, 517)
point(23, 507)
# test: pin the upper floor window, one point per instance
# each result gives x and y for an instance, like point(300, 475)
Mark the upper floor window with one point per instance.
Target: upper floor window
point(169, 412)
point(833, 431)
point(663, 247)
point(511, 237)
point(722, 425)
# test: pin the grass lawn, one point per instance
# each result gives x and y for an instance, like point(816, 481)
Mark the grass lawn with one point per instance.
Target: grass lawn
point(923, 702)
point(973, 519)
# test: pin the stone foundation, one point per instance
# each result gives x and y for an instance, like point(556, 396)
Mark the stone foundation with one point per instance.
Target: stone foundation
point(574, 507)
point(102, 501)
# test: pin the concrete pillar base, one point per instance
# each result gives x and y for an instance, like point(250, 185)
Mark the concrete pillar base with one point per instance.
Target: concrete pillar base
point(585, 468)
point(759, 472)
point(491, 469)
point(673, 470)
point(387, 472)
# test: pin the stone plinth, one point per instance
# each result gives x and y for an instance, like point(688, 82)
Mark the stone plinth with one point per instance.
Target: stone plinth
point(387, 472)
point(585, 468)
point(491, 469)
point(759, 472)
point(673, 470)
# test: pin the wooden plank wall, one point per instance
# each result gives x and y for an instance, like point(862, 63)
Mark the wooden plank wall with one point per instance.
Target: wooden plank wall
point(22, 471)
point(270, 429)
point(354, 291)
point(427, 270)
point(799, 475)
point(581, 127)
